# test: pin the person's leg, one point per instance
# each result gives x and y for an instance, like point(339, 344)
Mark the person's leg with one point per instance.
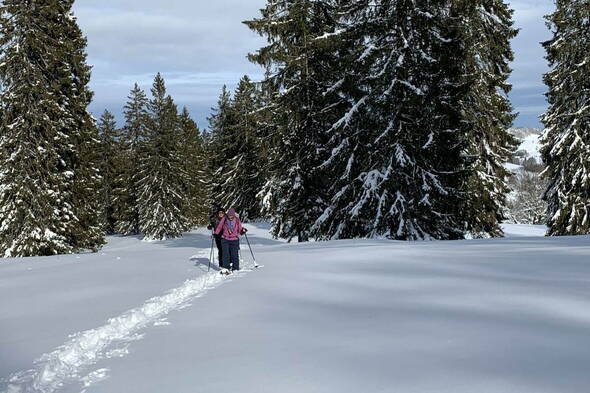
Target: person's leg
point(235, 247)
point(225, 246)
point(219, 251)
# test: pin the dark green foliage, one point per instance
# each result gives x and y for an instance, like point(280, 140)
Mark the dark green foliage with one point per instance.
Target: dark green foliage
point(219, 145)
point(84, 159)
point(566, 142)
point(391, 117)
point(237, 146)
point(195, 160)
point(133, 147)
point(109, 168)
point(487, 29)
point(48, 140)
point(300, 65)
point(375, 118)
point(161, 187)
point(162, 207)
point(397, 161)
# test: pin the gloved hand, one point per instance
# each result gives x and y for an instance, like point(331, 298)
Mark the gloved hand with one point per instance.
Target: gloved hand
point(210, 227)
point(244, 231)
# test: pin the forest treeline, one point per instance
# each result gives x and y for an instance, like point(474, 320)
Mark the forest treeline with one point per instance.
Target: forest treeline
point(384, 118)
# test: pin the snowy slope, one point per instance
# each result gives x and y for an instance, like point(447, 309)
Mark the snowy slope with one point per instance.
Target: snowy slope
point(524, 230)
point(513, 167)
point(505, 315)
point(530, 138)
point(531, 144)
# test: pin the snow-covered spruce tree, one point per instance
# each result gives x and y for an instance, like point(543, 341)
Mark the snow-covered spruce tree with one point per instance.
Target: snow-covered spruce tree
point(566, 140)
point(397, 164)
point(85, 159)
point(161, 186)
point(301, 67)
point(109, 168)
point(487, 29)
point(195, 162)
point(48, 162)
point(133, 143)
point(241, 151)
point(32, 173)
point(220, 145)
point(267, 131)
point(206, 169)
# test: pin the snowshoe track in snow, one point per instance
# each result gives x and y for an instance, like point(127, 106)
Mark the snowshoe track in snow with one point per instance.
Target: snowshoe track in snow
point(67, 363)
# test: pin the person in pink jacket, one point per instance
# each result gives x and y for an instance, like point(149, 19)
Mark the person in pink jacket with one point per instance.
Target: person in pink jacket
point(230, 227)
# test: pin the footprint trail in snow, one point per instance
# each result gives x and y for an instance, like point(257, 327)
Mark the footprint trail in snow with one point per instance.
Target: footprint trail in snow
point(67, 363)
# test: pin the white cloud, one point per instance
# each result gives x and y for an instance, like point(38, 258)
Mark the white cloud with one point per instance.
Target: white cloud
point(199, 46)
point(532, 110)
point(530, 64)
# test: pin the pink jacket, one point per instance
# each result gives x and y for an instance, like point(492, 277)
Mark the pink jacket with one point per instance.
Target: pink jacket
point(224, 228)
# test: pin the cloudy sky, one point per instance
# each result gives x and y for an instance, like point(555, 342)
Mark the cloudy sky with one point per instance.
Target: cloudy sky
point(201, 45)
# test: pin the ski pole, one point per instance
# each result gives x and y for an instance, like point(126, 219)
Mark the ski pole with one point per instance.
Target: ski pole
point(211, 253)
point(251, 252)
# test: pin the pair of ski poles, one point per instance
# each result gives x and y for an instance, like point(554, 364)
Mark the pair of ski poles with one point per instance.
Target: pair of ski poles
point(211, 254)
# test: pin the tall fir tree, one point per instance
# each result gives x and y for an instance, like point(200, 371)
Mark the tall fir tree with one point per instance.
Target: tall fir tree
point(239, 148)
point(48, 139)
point(162, 212)
point(566, 141)
point(300, 64)
point(397, 164)
point(32, 173)
point(109, 168)
point(195, 162)
point(487, 29)
point(85, 160)
point(268, 129)
point(133, 148)
point(220, 145)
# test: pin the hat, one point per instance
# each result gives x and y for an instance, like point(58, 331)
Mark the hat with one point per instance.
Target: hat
point(231, 212)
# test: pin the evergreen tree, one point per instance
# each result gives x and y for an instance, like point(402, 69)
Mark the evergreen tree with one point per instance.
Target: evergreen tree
point(32, 173)
point(220, 146)
point(397, 162)
point(487, 29)
point(133, 141)
point(161, 187)
point(566, 141)
point(267, 131)
point(195, 161)
point(84, 159)
point(109, 168)
point(48, 155)
point(207, 169)
point(239, 149)
point(300, 64)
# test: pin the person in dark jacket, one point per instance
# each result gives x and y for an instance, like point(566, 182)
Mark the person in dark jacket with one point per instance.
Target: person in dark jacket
point(214, 220)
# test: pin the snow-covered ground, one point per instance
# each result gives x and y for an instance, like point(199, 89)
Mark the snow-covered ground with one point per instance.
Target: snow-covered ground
point(530, 138)
point(523, 230)
point(477, 316)
point(513, 167)
point(531, 144)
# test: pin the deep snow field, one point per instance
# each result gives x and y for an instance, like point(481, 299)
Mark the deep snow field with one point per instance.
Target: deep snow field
point(478, 316)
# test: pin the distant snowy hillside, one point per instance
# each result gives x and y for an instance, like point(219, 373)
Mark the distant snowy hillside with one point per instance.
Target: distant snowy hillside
point(531, 145)
point(498, 316)
point(530, 141)
point(523, 132)
point(525, 204)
